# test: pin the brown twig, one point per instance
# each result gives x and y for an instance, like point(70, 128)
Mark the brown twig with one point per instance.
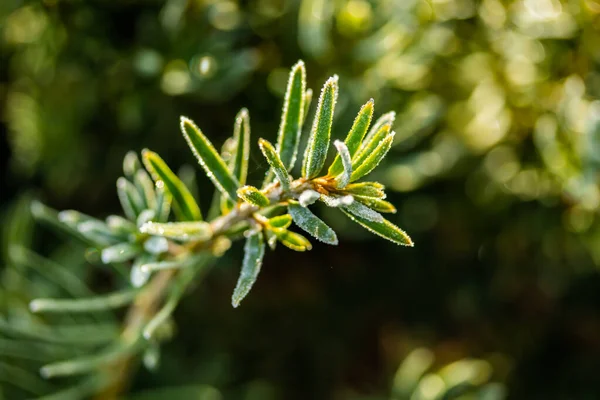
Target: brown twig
point(148, 302)
point(137, 317)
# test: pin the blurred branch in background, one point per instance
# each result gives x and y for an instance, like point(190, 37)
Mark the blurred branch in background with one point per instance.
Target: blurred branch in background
point(414, 380)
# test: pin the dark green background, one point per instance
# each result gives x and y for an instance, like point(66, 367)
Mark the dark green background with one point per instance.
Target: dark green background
point(496, 274)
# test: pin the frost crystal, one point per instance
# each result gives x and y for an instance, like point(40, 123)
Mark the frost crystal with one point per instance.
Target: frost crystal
point(308, 197)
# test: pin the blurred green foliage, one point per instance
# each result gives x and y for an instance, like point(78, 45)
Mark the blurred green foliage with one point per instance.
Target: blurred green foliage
point(495, 166)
